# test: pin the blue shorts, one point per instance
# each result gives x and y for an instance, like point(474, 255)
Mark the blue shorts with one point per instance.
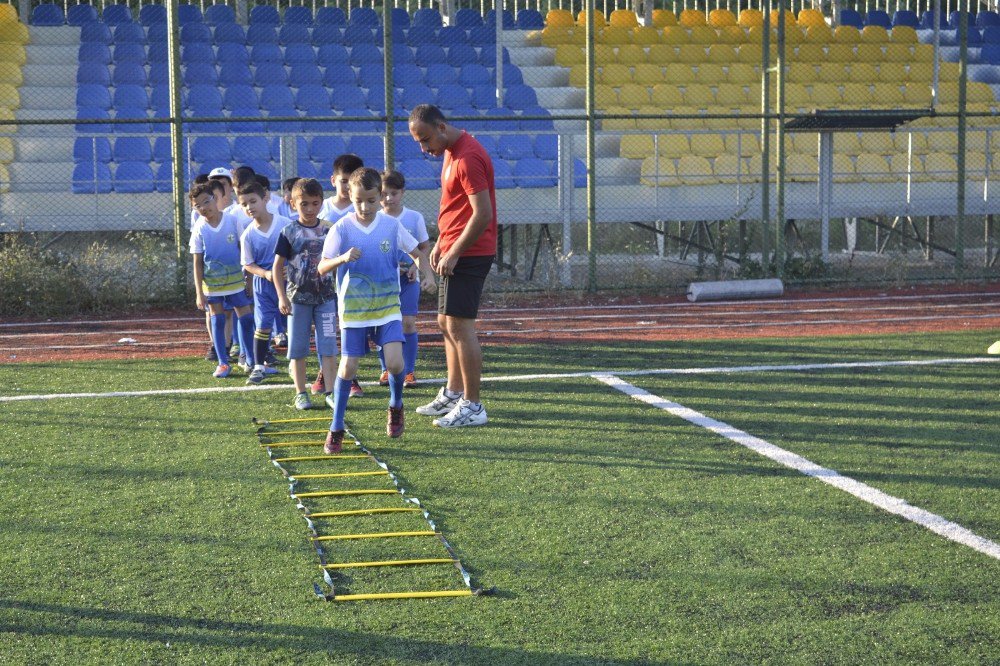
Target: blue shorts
point(303, 317)
point(230, 301)
point(265, 304)
point(354, 341)
point(409, 296)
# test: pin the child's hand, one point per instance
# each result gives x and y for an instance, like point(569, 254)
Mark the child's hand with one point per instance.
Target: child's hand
point(411, 272)
point(428, 282)
point(269, 276)
point(351, 255)
point(284, 306)
point(200, 301)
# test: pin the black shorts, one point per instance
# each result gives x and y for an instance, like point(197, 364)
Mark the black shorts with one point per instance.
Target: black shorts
point(459, 293)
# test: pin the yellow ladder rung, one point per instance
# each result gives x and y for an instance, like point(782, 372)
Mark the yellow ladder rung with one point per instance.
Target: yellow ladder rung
point(338, 475)
point(295, 432)
point(341, 493)
point(266, 422)
point(403, 595)
point(280, 445)
point(389, 563)
point(359, 512)
point(377, 535)
point(333, 457)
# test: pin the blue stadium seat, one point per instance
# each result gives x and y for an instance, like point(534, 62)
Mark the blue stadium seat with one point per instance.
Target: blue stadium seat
point(200, 72)
point(204, 100)
point(405, 148)
point(91, 178)
point(299, 14)
point(532, 172)
point(128, 32)
point(132, 149)
point(94, 52)
point(512, 76)
point(452, 35)
point(327, 34)
point(508, 19)
point(400, 17)
point(347, 97)
point(164, 179)
point(305, 75)
point(255, 126)
point(415, 95)
point(333, 55)
point(991, 35)
point(157, 54)
point(402, 55)
point(115, 14)
point(468, 18)
point(187, 13)
point(132, 113)
point(267, 14)
point(363, 16)
point(359, 126)
point(156, 33)
point(91, 95)
point(306, 169)
point(365, 146)
point(92, 113)
point(879, 18)
point(277, 96)
point(371, 75)
point(441, 74)
point(472, 75)
point(484, 96)
point(488, 142)
point(251, 148)
point(134, 177)
point(953, 18)
point(313, 99)
point(905, 17)
point(451, 95)
point(232, 74)
point(927, 21)
point(300, 54)
point(339, 76)
point(488, 57)
point(89, 149)
point(546, 147)
point(987, 18)
point(198, 52)
point(326, 148)
point(330, 16)
point(233, 54)
point(128, 52)
point(283, 126)
point(520, 97)
point(152, 15)
point(420, 174)
point(530, 19)
point(78, 15)
point(407, 75)
point(47, 15)
point(294, 33)
point(365, 54)
point(429, 54)
point(579, 173)
point(460, 54)
point(420, 34)
point(990, 54)
point(514, 147)
point(240, 96)
point(159, 98)
point(192, 33)
point(130, 94)
point(851, 17)
point(270, 74)
point(427, 16)
point(358, 34)
point(230, 33)
point(503, 177)
point(95, 32)
point(161, 149)
point(211, 149)
point(216, 15)
point(262, 33)
point(94, 73)
point(261, 53)
point(541, 125)
point(375, 100)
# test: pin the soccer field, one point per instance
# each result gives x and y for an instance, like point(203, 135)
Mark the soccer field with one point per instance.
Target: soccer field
point(618, 505)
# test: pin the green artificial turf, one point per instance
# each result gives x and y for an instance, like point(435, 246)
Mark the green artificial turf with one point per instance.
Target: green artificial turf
point(154, 529)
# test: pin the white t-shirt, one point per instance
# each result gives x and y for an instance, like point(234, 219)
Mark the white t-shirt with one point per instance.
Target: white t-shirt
point(331, 213)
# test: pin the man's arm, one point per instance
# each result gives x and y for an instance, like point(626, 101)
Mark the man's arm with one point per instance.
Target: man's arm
point(482, 216)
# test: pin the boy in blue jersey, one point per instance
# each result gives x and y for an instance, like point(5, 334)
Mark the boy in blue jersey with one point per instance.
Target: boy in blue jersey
point(364, 249)
point(393, 189)
point(259, 241)
point(218, 276)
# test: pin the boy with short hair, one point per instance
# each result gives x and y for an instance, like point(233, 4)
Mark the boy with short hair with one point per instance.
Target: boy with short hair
point(310, 298)
point(285, 208)
point(364, 249)
point(218, 276)
point(393, 189)
point(259, 241)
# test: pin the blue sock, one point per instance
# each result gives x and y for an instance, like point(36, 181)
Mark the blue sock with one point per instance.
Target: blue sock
point(409, 352)
point(341, 392)
point(396, 390)
point(246, 337)
point(219, 337)
point(381, 359)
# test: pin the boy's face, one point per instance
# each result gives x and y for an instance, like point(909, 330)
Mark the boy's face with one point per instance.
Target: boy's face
point(392, 199)
point(341, 186)
point(205, 205)
point(253, 205)
point(307, 207)
point(366, 202)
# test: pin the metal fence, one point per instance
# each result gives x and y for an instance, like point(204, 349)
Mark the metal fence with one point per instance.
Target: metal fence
point(816, 171)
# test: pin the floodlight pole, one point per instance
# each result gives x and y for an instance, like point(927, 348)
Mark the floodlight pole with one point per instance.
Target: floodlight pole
point(963, 57)
point(390, 102)
point(765, 134)
point(177, 147)
point(591, 154)
point(498, 64)
point(779, 224)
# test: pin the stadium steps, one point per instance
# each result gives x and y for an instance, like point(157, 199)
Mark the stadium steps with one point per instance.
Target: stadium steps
point(48, 176)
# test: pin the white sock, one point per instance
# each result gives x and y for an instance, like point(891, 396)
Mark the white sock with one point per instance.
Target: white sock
point(452, 395)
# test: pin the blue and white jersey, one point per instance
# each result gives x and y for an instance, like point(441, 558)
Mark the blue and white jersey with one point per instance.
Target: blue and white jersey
point(245, 220)
point(368, 289)
point(220, 247)
point(330, 212)
point(413, 222)
point(258, 247)
point(286, 210)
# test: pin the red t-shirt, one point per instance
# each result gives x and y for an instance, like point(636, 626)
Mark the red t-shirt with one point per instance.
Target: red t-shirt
point(467, 169)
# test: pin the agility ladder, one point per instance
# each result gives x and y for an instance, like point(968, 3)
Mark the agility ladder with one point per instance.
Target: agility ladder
point(283, 438)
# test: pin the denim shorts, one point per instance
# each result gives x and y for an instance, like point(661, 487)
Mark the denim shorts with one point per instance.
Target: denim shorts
point(300, 323)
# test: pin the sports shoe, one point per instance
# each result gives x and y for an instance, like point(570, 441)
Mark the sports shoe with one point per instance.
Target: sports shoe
point(222, 371)
point(462, 415)
point(329, 401)
point(356, 390)
point(270, 370)
point(394, 424)
point(319, 386)
point(302, 401)
point(994, 348)
point(210, 355)
point(281, 340)
point(242, 364)
point(383, 379)
point(234, 350)
point(270, 358)
point(256, 375)
point(334, 442)
point(410, 381)
point(440, 405)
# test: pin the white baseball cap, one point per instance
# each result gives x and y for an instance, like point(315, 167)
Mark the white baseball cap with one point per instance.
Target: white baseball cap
point(220, 172)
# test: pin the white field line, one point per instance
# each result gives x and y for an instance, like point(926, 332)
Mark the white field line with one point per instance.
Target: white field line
point(931, 521)
point(791, 303)
point(508, 378)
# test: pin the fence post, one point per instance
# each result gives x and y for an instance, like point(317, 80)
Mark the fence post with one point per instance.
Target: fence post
point(765, 135)
point(963, 56)
point(176, 146)
point(590, 7)
point(779, 223)
point(390, 102)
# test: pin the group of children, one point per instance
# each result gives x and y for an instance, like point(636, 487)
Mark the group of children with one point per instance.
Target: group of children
point(353, 260)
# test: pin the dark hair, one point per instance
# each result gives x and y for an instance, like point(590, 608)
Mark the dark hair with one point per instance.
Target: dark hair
point(264, 181)
point(199, 189)
point(392, 179)
point(427, 113)
point(367, 178)
point(200, 178)
point(288, 184)
point(347, 163)
point(215, 186)
point(253, 187)
point(242, 174)
point(307, 187)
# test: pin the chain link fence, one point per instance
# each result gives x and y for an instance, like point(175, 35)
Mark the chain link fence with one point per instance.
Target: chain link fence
point(869, 189)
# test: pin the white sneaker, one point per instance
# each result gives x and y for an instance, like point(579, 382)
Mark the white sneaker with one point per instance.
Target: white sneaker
point(463, 414)
point(440, 405)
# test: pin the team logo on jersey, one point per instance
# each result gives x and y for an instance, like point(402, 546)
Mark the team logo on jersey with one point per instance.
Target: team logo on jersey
point(384, 246)
point(231, 238)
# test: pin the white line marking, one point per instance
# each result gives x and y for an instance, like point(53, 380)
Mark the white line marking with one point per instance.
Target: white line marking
point(507, 378)
point(862, 491)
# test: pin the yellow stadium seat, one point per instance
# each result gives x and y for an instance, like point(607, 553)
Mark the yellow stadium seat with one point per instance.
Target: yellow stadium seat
point(800, 72)
point(796, 97)
point(742, 73)
point(674, 35)
point(653, 124)
point(892, 72)
point(843, 169)
point(923, 53)
point(829, 72)
point(811, 17)
point(690, 18)
point(846, 143)
point(819, 34)
point(732, 34)
point(568, 55)
point(605, 96)
point(873, 168)
point(919, 142)
point(903, 34)
point(862, 72)
point(633, 96)
point(874, 34)
point(618, 124)
point(846, 34)
point(948, 92)
point(898, 53)
point(672, 145)
point(6, 150)
point(693, 122)
point(940, 166)
point(12, 32)
point(698, 95)
point(658, 172)
point(789, 18)
point(805, 143)
point(647, 74)
point(750, 54)
point(750, 18)
point(703, 34)
point(636, 146)
point(743, 144)
point(667, 96)
point(12, 74)
point(825, 96)
point(857, 95)
point(623, 18)
point(867, 52)
point(949, 71)
point(663, 18)
point(9, 97)
point(559, 18)
point(695, 170)
point(710, 73)
point(7, 115)
point(943, 141)
point(730, 95)
point(8, 14)
point(720, 18)
point(645, 36)
point(979, 93)
point(975, 166)
point(730, 169)
point(707, 145)
point(793, 35)
point(903, 166)
point(722, 54)
point(679, 73)
point(599, 22)
point(614, 36)
point(662, 53)
point(840, 53)
point(808, 52)
point(877, 143)
point(555, 35)
point(578, 76)
point(801, 168)
point(12, 54)
point(692, 53)
point(614, 74)
point(920, 72)
point(630, 54)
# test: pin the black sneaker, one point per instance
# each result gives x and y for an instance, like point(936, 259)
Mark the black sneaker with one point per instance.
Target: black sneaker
point(210, 355)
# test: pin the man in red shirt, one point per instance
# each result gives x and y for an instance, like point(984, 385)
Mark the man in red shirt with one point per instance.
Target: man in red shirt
point(462, 256)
